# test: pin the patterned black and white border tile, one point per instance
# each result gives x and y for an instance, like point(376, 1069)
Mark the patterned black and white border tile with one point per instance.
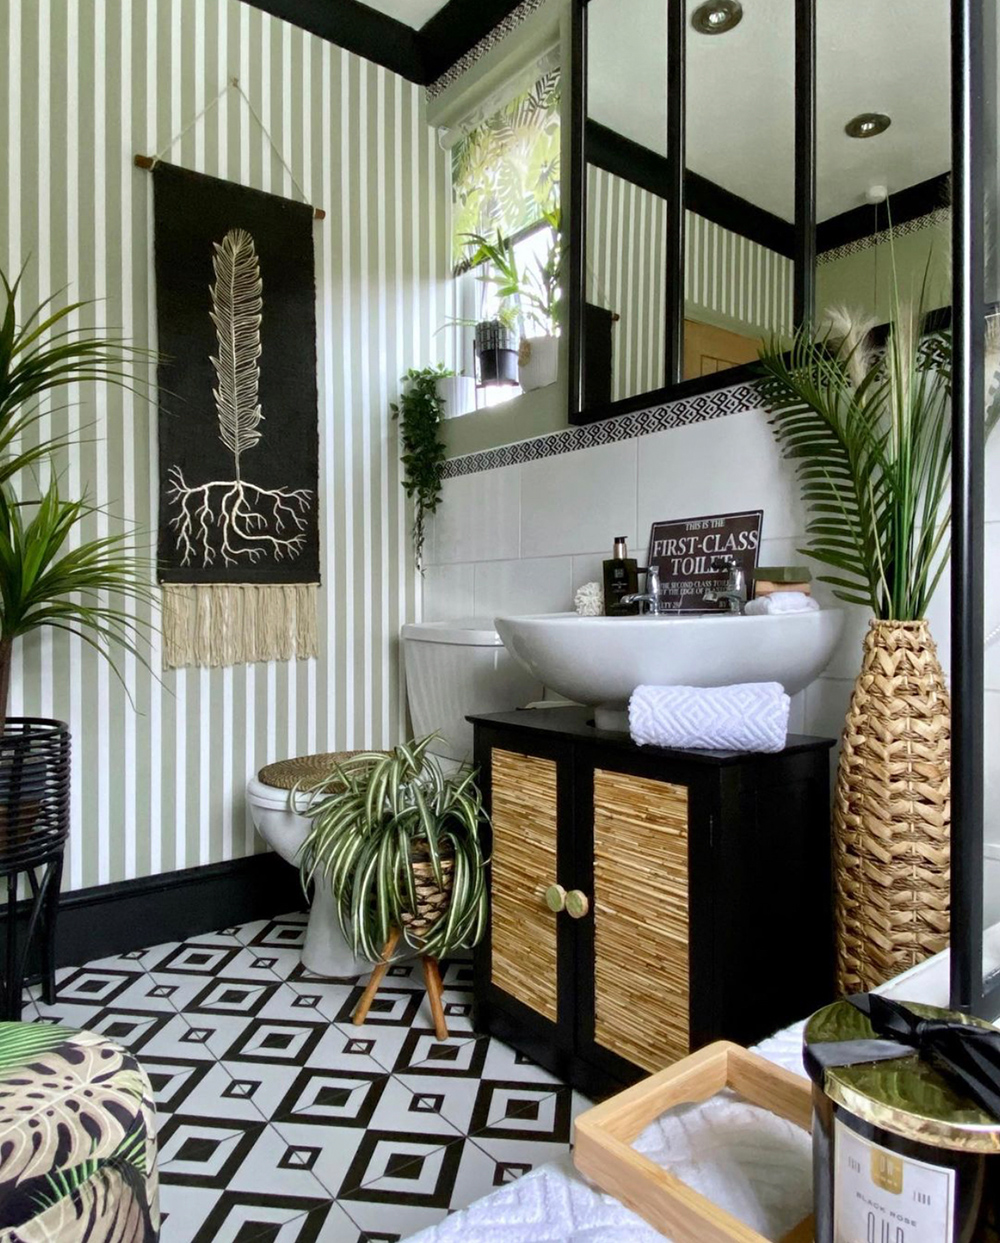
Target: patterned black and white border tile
point(682, 413)
point(486, 44)
point(939, 217)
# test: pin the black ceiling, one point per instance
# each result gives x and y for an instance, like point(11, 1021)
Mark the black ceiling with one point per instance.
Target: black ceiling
point(420, 55)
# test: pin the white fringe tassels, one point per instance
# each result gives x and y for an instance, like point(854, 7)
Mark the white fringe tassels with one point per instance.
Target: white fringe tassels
point(240, 623)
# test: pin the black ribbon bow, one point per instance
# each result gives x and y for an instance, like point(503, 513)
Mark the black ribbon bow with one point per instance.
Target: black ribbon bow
point(967, 1054)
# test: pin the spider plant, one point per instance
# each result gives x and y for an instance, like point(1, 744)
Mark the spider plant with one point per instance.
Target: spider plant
point(376, 815)
point(870, 433)
point(47, 576)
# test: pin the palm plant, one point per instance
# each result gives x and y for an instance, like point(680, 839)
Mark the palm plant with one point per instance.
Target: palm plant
point(47, 577)
point(870, 434)
point(398, 843)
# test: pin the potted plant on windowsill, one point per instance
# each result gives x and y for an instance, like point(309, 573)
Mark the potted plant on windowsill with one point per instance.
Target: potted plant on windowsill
point(536, 295)
point(870, 434)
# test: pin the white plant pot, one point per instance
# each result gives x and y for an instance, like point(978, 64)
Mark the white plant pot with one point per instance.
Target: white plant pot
point(458, 392)
point(538, 362)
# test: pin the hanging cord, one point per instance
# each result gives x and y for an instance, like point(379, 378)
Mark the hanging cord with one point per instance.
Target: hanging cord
point(212, 103)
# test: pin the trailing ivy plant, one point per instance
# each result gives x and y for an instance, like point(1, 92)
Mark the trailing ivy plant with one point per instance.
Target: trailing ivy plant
point(419, 412)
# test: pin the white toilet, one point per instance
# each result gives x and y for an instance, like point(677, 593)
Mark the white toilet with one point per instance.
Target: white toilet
point(452, 669)
point(458, 668)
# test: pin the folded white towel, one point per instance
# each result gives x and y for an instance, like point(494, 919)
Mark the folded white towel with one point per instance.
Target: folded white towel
point(782, 602)
point(752, 716)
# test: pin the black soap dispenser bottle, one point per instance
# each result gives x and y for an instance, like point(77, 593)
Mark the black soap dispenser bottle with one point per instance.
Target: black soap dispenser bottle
point(621, 578)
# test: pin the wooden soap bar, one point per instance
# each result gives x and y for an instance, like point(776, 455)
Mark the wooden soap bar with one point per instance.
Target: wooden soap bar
point(764, 587)
point(783, 574)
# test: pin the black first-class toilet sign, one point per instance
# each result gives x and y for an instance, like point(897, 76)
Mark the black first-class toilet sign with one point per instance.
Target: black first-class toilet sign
point(686, 551)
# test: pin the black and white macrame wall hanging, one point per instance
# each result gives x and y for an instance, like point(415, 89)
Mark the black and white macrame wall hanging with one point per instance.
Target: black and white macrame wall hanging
point(238, 432)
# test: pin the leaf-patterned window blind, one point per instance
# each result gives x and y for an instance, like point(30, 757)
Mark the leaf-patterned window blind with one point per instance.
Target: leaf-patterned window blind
point(505, 170)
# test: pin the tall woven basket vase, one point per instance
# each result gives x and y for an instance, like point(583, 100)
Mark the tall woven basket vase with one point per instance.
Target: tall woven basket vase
point(892, 811)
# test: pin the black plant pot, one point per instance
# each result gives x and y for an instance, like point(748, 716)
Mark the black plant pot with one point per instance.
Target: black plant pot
point(496, 350)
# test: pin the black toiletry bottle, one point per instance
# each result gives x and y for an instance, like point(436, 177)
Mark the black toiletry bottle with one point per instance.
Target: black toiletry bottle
point(621, 578)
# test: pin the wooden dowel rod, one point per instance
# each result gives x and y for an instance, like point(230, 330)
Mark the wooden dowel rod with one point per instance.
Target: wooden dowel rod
point(147, 162)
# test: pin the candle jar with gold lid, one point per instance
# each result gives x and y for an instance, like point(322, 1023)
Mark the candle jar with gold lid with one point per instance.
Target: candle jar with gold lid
point(903, 1152)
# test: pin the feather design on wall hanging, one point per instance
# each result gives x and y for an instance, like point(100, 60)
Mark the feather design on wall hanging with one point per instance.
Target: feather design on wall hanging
point(234, 518)
point(239, 533)
point(237, 303)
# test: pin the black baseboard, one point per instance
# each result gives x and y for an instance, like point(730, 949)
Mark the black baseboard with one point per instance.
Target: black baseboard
point(174, 906)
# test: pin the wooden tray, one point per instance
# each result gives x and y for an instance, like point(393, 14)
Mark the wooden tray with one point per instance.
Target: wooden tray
point(604, 1135)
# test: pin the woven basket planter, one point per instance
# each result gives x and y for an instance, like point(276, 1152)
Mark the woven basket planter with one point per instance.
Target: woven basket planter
point(432, 900)
point(892, 810)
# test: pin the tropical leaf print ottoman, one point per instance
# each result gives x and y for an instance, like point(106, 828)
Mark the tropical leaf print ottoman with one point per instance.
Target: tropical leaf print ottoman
point(77, 1139)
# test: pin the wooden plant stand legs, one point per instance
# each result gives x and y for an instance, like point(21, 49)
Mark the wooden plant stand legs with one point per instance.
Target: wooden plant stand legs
point(368, 996)
point(432, 980)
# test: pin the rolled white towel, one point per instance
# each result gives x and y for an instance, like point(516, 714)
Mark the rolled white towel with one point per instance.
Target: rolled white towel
point(782, 602)
point(752, 716)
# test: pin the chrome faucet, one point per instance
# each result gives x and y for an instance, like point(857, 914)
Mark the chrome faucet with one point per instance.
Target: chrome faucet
point(734, 594)
point(651, 597)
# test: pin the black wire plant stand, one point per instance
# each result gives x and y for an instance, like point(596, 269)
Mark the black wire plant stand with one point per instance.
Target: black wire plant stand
point(34, 825)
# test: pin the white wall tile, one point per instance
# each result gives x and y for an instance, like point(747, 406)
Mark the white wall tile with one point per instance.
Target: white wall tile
point(826, 706)
point(533, 585)
point(589, 568)
point(477, 519)
point(991, 732)
point(718, 467)
point(449, 592)
point(797, 714)
point(578, 502)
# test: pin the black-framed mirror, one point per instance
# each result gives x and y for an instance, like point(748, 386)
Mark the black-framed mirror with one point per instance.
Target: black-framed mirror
point(975, 930)
point(810, 135)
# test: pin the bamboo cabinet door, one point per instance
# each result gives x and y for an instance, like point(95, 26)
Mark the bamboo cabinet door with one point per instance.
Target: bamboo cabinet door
point(634, 953)
point(524, 967)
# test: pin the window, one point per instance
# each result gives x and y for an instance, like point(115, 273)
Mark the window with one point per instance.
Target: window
point(505, 191)
point(505, 170)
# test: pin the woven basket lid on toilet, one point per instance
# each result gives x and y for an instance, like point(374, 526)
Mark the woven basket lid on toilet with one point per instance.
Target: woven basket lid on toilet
point(304, 770)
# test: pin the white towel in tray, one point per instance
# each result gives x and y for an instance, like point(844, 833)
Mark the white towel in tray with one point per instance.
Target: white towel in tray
point(752, 716)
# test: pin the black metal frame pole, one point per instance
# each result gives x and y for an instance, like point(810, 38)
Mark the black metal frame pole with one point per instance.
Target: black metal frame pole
point(804, 274)
point(576, 257)
point(676, 162)
point(968, 504)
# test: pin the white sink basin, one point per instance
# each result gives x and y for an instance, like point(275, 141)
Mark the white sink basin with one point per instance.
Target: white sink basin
point(601, 660)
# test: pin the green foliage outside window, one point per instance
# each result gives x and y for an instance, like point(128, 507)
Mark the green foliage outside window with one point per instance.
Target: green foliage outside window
point(505, 173)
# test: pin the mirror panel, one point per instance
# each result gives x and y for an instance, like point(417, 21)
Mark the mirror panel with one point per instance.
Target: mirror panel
point(882, 72)
point(740, 180)
point(625, 245)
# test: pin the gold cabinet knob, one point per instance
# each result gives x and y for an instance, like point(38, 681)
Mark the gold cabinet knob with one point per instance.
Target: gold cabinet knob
point(555, 898)
point(577, 904)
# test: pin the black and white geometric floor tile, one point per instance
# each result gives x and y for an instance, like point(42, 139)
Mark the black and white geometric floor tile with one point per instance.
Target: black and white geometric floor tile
point(281, 1121)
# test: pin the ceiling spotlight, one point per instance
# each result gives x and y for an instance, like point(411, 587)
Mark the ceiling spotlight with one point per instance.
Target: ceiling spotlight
point(717, 16)
point(867, 125)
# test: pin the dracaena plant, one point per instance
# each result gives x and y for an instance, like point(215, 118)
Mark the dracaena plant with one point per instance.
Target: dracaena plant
point(373, 817)
point(869, 431)
point(49, 576)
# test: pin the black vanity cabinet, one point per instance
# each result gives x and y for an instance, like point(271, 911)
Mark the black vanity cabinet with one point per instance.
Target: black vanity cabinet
point(643, 901)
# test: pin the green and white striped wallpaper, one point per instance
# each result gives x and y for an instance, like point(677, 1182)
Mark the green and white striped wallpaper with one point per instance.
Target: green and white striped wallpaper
point(84, 84)
point(730, 281)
